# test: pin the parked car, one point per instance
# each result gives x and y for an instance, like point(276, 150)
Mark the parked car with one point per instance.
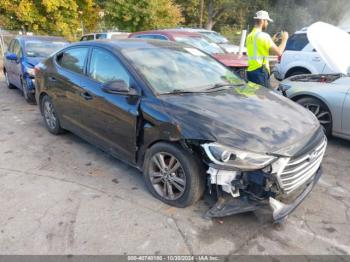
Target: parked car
point(23, 53)
point(300, 57)
point(326, 95)
point(186, 121)
point(104, 35)
point(217, 38)
point(237, 62)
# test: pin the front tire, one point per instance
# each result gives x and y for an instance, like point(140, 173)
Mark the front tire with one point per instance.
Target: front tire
point(29, 97)
point(173, 175)
point(51, 120)
point(320, 110)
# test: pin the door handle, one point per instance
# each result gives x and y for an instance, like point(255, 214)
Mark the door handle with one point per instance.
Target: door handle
point(52, 79)
point(86, 96)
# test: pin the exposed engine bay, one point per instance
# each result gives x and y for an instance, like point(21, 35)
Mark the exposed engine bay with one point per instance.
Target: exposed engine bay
point(324, 78)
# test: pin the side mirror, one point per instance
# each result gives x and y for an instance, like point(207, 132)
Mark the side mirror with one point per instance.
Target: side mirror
point(11, 56)
point(118, 87)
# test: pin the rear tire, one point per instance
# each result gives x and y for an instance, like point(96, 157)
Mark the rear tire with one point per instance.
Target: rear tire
point(8, 84)
point(320, 110)
point(173, 175)
point(51, 120)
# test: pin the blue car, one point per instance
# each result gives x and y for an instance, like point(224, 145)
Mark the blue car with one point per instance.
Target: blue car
point(23, 53)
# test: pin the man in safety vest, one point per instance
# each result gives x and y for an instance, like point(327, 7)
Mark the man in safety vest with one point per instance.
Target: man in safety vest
point(260, 45)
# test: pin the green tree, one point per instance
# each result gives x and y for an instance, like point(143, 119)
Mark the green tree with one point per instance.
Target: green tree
point(55, 17)
point(190, 10)
point(136, 15)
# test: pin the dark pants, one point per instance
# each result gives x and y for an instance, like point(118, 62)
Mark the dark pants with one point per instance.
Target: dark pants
point(260, 76)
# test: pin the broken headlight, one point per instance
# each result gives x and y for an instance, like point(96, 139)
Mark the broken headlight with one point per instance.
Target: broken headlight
point(30, 71)
point(233, 157)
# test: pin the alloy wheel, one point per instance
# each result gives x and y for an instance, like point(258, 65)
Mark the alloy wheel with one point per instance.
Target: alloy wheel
point(49, 114)
point(167, 176)
point(323, 116)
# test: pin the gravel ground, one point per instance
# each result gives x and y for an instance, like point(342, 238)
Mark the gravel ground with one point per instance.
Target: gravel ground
point(60, 195)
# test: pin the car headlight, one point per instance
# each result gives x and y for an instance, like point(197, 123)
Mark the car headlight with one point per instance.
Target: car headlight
point(30, 71)
point(233, 157)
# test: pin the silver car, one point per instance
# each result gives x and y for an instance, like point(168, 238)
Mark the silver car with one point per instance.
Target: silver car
point(328, 95)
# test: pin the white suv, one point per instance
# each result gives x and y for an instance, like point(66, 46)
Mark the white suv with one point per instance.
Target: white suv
point(300, 58)
point(104, 35)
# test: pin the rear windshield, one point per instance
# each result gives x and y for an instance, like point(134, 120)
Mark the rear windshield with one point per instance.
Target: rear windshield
point(297, 42)
point(42, 48)
point(215, 37)
point(201, 43)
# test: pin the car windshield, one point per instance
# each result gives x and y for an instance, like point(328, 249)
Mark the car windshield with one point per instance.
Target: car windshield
point(215, 37)
point(42, 48)
point(181, 69)
point(201, 43)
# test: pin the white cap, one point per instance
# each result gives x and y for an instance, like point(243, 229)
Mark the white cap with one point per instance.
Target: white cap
point(263, 15)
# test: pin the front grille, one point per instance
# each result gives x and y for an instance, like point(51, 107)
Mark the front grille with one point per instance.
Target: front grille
point(300, 170)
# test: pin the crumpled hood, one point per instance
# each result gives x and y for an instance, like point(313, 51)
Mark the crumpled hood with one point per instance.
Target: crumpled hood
point(251, 118)
point(332, 44)
point(232, 60)
point(34, 60)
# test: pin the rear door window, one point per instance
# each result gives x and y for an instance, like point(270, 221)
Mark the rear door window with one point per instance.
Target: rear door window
point(87, 38)
point(297, 42)
point(144, 36)
point(17, 49)
point(159, 37)
point(73, 59)
point(105, 67)
point(101, 36)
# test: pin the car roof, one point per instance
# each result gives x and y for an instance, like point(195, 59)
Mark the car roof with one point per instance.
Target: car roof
point(112, 33)
point(169, 32)
point(199, 30)
point(304, 30)
point(129, 43)
point(42, 38)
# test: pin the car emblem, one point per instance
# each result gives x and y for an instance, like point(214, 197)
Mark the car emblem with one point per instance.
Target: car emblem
point(313, 156)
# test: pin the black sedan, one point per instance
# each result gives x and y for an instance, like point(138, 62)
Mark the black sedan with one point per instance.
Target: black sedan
point(186, 121)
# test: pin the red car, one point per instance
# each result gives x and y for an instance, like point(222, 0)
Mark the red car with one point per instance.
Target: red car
point(237, 62)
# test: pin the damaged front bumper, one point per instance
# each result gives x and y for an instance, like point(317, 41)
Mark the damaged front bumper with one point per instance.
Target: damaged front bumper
point(281, 211)
point(228, 205)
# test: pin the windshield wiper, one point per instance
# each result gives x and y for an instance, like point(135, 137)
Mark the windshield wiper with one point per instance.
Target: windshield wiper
point(179, 91)
point(219, 86)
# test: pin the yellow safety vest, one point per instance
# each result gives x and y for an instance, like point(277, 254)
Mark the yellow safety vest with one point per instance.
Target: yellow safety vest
point(258, 47)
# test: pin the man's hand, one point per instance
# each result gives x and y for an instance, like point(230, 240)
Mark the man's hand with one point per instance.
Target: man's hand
point(278, 50)
point(285, 36)
point(276, 37)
